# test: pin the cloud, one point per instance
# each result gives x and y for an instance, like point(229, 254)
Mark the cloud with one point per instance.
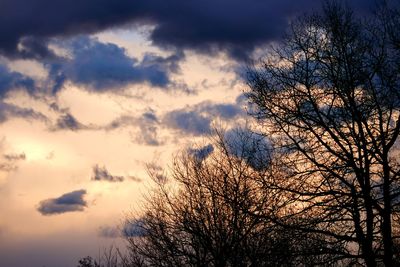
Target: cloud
point(156, 172)
point(135, 178)
point(15, 157)
point(122, 121)
point(69, 202)
point(106, 66)
point(188, 121)
point(148, 130)
point(109, 232)
point(102, 174)
point(10, 80)
point(134, 228)
point(222, 110)
point(68, 122)
point(147, 123)
point(197, 119)
point(234, 26)
point(201, 153)
point(9, 162)
point(8, 111)
point(250, 146)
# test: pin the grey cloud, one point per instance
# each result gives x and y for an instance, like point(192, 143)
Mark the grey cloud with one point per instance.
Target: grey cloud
point(150, 116)
point(147, 124)
point(15, 157)
point(225, 111)
point(109, 232)
point(34, 48)
point(135, 179)
point(156, 172)
point(243, 101)
point(106, 66)
point(188, 121)
point(252, 147)
point(148, 129)
point(68, 122)
point(122, 121)
point(134, 228)
point(11, 80)
point(102, 174)
point(10, 161)
point(8, 111)
point(69, 202)
point(197, 119)
point(7, 167)
point(201, 153)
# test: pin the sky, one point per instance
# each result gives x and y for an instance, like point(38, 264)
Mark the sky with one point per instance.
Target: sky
point(96, 94)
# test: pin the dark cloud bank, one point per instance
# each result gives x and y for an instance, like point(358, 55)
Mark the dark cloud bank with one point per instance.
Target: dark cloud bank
point(69, 202)
point(233, 26)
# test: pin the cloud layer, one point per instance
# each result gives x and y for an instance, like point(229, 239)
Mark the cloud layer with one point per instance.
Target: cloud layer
point(234, 26)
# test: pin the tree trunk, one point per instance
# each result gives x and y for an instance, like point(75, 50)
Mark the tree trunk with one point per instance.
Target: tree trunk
point(386, 218)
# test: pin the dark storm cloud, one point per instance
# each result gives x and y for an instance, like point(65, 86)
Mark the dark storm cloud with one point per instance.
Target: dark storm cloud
point(106, 66)
point(69, 202)
point(197, 119)
point(14, 80)
point(235, 26)
point(102, 174)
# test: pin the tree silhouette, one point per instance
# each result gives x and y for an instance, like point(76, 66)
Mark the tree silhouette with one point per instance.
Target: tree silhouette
point(329, 98)
point(212, 212)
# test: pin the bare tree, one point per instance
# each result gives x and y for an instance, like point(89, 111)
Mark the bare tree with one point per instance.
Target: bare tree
point(110, 257)
point(212, 213)
point(329, 98)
